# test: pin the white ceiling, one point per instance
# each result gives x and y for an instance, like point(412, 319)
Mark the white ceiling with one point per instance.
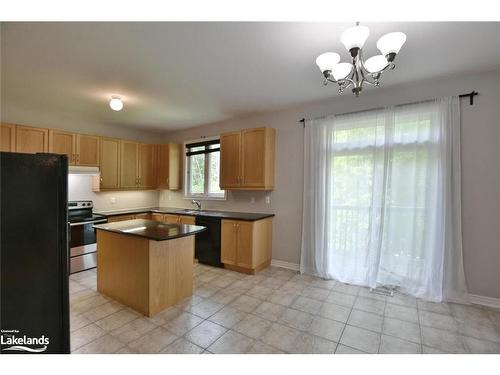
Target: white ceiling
point(178, 75)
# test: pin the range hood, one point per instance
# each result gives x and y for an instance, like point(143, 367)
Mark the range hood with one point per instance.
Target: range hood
point(77, 169)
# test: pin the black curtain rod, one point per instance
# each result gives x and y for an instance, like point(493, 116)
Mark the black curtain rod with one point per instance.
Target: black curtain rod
point(470, 95)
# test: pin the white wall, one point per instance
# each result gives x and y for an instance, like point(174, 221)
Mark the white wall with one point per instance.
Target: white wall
point(80, 188)
point(480, 167)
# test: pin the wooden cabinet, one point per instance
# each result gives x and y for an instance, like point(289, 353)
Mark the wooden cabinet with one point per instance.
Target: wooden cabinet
point(63, 143)
point(173, 219)
point(123, 164)
point(157, 217)
point(230, 160)
point(247, 159)
point(246, 246)
point(144, 215)
point(129, 164)
point(87, 150)
point(113, 219)
point(7, 137)
point(169, 166)
point(109, 162)
point(31, 140)
point(147, 164)
point(81, 149)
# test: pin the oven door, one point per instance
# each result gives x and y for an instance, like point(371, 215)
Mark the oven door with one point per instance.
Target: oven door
point(83, 247)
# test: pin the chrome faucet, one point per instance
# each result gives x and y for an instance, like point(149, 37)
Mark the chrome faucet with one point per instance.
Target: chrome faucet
point(197, 204)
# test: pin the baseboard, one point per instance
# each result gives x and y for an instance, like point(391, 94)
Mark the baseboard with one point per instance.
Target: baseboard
point(485, 301)
point(287, 265)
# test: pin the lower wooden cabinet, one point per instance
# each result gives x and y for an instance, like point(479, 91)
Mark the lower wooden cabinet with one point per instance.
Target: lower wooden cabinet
point(174, 219)
point(113, 219)
point(246, 246)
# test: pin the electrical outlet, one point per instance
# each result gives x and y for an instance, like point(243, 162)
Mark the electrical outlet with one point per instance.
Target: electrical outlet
point(112, 200)
point(252, 200)
point(268, 199)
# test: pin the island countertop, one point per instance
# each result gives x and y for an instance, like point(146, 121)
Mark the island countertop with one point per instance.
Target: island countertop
point(150, 229)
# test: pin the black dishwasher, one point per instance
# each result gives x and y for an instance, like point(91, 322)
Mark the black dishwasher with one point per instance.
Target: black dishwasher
point(207, 243)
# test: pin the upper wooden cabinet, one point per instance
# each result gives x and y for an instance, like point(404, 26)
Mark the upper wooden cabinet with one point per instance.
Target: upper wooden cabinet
point(247, 159)
point(169, 166)
point(87, 150)
point(147, 166)
point(129, 164)
point(109, 162)
point(7, 137)
point(64, 143)
point(230, 160)
point(31, 140)
point(81, 149)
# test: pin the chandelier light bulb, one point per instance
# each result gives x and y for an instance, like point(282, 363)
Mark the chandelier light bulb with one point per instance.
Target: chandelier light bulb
point(391, 43)
point(116, 103)
point(341, 71)
point(327, 61)
point(355, 37)
point(375, 63)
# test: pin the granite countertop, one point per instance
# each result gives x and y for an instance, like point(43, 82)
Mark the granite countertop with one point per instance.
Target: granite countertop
point(246, 216)
point(150, 229)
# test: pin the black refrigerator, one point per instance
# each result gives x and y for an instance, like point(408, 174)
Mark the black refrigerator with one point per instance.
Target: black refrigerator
point(34, 310)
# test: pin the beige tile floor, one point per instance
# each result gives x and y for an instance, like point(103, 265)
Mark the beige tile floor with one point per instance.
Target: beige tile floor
point(278, 311)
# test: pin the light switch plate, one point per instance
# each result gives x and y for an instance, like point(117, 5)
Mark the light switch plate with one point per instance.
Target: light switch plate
point(268, 199)
point(112, 200)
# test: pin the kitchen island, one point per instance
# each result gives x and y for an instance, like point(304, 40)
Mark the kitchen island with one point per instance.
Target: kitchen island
point(145, 264)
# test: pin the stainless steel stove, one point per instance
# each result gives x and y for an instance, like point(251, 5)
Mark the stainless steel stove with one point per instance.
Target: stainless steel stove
point(83, 247)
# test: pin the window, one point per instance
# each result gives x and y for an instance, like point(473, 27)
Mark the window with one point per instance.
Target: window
point(374, 185)
point(202, 169)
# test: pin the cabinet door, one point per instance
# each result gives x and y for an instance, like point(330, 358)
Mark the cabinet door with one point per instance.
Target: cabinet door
point(146, 166)
point(228, 242)
point(174, 166)
point(8, 137)
point(87, 150)
point(109, 155)
point(31, 140)
point(162, 163)
point(253, 154)
point(113, 219)
point(230, 160)
point(61, 142)
point(129, 164)
point(171, 219)
point(244, 252)
point(144, 215)
point(184, 219)
point(157, 217)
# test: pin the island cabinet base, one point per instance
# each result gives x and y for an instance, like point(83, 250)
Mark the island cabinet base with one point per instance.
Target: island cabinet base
point(146, 275)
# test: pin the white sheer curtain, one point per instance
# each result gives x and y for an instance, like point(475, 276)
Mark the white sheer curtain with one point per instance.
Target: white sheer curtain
point(382, 199)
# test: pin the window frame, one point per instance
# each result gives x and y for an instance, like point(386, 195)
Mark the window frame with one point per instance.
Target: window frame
point(187, 181)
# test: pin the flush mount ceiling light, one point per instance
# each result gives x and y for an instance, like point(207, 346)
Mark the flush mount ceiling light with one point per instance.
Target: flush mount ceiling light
point(116, 103)
point(358, 72)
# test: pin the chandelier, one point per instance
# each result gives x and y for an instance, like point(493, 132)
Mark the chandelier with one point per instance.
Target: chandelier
point(359, 72)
